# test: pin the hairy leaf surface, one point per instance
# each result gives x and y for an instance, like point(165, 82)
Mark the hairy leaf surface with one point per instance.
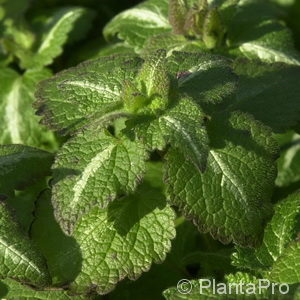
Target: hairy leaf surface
point(204, 77)
point(73, 97)
point(124, 239)
point(92, 169)
point(279, 249)
point(230, 199)
point(270, 93)
point(182, 126)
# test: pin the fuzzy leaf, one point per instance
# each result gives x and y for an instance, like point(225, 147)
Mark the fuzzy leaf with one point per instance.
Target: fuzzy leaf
point(73, 97)
point(287, 268)
point(21, 166)
point(177, 14)
point(20, 125)
point(182, 126)
point(92, 169)
point(124, 239)
point(230, 199)
point(153, 77)
point(19, 259)
point(137, 24)
point(204, 77)
point(277, 244)
point(269, 93)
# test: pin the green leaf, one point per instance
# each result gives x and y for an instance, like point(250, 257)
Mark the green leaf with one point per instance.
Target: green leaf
point(23, 203)
point(204, 77)
point(171, 42)
point(75, 96)
point(123, 240)
point(92, 169)
point(275, 46)
point(269, 93)
point(289, 161)
point(278, 247)
point(20, 125)
point(177, 13)
point(182, 126)
point(114, 49)
point(14, 290)
point(153, 78)
point(161, 276)
point(137, 24)
point(19, 259)
point(21, 166)
point(62, 252)
point(287, 267)
point(256, 30)
point(54, 34)
point(230, 199)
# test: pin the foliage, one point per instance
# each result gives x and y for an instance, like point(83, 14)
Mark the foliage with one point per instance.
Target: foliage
point(170, 152)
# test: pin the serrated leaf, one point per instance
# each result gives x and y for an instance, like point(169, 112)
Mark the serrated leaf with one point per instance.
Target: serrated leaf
point(269, 93)
point(278, 235)
point(287, 268)
point(161, 276)
point(61, 252)
point(19, 124)
point(137, 24)
point(54, 35)
point(87, 91)
point(230, 199)
point(182, 126)
point(21, 166)
point(16, 291)
point(94, 169)
point(124, 239)
point(204, 77)
point(153, 78)
point(19, 259)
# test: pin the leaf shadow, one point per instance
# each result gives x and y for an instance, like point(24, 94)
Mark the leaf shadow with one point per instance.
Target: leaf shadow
point(62, 252)
point(254, 20)
point(211, 88)
point(221, 132)
point(61, 173)
point(127, 212)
